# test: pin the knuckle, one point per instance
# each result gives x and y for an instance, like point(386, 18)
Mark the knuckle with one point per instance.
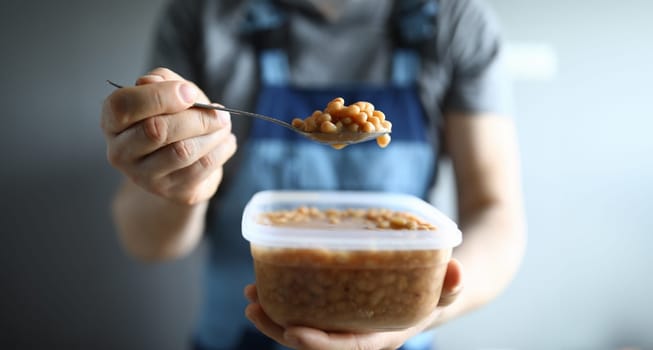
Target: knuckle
point(208, 161)
point(184, 149)
point(158, 100)
point(155, 129)
point(206, 121)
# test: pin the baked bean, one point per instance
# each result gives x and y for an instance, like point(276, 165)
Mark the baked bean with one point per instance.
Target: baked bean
point(298, 123)
point(334, 106)
point(360, 118)
point(342, 290)
point(351, 291)
point(368, 127)
point(383, 141)
point(322, 118)
point(357, 117)
point(376, 122)
point(370, 108)
point(328, 127)
point(351, 111)
point(353, 217)
point(353, 127)
point(310, 125)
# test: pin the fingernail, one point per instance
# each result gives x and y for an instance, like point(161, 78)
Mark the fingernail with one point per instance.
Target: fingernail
point(456, 289)
point(152, 77)
point(148, 78)
point(249, 313)
point(187, 93)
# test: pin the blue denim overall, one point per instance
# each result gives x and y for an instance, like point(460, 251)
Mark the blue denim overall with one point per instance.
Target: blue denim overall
point(275, 158)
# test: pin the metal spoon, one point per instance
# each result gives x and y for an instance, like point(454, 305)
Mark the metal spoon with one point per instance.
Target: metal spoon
point(340, 138)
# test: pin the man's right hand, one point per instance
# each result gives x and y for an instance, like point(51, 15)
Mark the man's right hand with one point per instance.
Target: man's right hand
point(162, 144)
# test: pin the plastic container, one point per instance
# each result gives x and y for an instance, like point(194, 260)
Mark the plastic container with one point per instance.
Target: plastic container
point(340, 277)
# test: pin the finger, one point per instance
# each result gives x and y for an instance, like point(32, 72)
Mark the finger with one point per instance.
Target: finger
point(251, 293)
point(165, 73)
point(158, 75)
point(129, 105)
point(168, 75)
point(203, 176)
point(254, 312)
point(157, 166)
point(452, 284)
point(155, 132)
point(149, 79)
point(311, 338)
point(183, 153)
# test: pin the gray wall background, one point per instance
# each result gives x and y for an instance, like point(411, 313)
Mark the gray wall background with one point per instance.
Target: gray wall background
point(586, 146)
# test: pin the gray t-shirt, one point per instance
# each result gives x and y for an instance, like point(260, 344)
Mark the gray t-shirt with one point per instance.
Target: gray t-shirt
point(201, 40)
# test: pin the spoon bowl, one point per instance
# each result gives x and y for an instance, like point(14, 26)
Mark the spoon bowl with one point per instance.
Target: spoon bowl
point(334, 139)
point(339, 138)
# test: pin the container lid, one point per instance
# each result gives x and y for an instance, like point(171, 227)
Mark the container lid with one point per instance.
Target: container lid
point(446, 235)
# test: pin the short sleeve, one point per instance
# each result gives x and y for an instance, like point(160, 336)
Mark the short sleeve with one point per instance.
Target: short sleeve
point(480, 83)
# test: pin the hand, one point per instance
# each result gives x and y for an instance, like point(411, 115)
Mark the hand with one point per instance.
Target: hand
point(304, 338)
point(163, 145)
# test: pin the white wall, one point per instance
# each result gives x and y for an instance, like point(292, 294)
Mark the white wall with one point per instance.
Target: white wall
point(587, 151)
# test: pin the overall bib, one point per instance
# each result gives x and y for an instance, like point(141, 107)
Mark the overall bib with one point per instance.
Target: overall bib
point(273, 157)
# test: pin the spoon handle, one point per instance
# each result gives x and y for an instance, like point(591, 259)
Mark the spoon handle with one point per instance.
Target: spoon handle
point(248, 114)
point(230, 110)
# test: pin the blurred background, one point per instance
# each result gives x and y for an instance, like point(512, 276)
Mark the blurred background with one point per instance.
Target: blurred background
point(582, 72)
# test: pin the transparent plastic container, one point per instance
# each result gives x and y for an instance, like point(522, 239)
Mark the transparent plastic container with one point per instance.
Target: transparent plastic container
point(337, 277)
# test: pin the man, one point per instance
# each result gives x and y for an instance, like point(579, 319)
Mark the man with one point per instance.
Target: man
point(433, 67)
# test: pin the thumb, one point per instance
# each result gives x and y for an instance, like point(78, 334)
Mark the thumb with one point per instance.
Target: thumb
point(452, 284)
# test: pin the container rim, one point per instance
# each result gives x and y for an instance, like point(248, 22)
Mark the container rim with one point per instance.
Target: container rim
point(447, 235)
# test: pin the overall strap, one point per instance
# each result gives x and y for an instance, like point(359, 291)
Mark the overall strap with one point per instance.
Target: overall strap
point(413, 27)
point(266, 24)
